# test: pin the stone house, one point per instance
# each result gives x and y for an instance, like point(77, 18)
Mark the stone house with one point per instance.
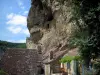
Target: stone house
point(50, 58)
point(17, 61)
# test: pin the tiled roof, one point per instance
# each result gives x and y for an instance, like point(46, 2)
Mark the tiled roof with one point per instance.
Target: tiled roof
point(20, 61)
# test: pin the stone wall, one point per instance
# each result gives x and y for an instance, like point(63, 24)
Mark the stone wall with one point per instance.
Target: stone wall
point(20, 61)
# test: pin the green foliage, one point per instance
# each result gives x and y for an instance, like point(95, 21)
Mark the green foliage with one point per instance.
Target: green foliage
point(90, 72)
point(70, 58)
point(5, 44)
point(91, 19)
point(88, 36)
point(77, 58)
point(78, 38)
point(66, 59)
point(97, 67)
point(3, 72)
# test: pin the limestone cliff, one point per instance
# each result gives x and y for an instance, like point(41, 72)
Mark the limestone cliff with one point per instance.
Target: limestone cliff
point(49, 23)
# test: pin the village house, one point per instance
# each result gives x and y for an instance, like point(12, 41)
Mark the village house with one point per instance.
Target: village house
point(33, 61)
point(51, 59)
point(53, 66)
point(17, 61)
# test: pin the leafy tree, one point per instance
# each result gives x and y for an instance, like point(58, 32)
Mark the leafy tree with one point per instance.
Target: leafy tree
point(87, 38)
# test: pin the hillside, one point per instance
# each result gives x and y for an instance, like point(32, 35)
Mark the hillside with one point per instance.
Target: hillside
point(5, 44)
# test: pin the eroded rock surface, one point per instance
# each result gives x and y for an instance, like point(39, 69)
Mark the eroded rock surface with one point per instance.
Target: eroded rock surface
point(49, 23)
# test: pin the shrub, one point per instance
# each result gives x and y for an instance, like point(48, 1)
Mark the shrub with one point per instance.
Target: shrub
point(3, 72)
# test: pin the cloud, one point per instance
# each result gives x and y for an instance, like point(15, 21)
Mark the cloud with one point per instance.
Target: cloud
point(25, 31)
point(17, 24)
point(14, 30)
point(18, 30)
point(21, 41)
point(22, 7)
point(16, 19)
point(17, 41)
point(10, 16)
point(25, 13)
point(21, 4)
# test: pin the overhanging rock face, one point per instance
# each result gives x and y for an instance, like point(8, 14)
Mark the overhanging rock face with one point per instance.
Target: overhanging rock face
point(50, 24)
point(20, 61)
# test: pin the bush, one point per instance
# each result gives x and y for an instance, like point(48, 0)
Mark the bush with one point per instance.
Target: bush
point(70, 58)
point(3, 72)
point(97, 67)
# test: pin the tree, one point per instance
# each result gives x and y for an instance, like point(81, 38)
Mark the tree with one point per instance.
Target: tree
point(89, 12)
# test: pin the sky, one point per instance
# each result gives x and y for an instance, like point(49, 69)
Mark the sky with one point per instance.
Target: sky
point(13, 20)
